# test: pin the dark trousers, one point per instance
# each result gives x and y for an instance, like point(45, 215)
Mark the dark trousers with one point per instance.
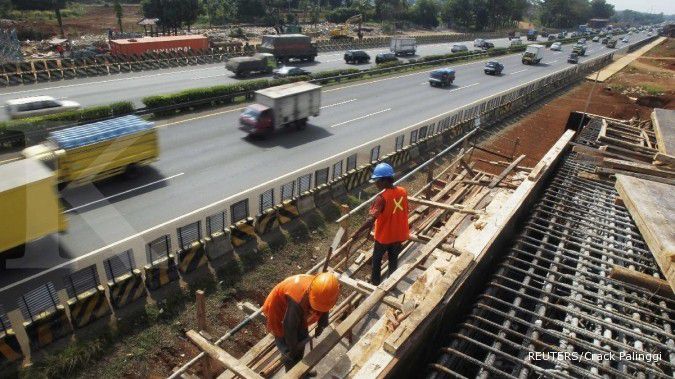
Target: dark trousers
point(292, 355)
point(392, 250)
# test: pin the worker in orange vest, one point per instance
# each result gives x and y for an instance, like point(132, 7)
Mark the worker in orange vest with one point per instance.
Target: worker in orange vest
point(294, 304)
point(389, 215)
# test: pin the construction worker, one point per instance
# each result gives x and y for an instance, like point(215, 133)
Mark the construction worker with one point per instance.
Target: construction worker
point(294, 304)
point(389, 215)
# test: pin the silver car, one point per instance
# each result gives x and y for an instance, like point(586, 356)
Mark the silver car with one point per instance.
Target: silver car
point(38, 106)
point(457, 48)
point(556, 46)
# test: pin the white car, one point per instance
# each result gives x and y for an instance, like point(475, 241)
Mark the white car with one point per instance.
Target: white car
point(556, 46)
point(625, 40)
point(38, 106)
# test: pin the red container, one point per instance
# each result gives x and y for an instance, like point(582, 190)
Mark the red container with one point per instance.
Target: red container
point(139, 46)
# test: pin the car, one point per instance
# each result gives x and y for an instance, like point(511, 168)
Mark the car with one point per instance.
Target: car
point(442, 77)
point(561, 35)
point(596, 39)
point(478, 42)
point(581, 41)
point(625, 40)
point(605, 40)
point(38, 106)
point(493, 68)
point(574, 58)
point(649, 34)
point(457, 48)
point(516, 42)
point(579, 49)
point(488, 45)
point(556, 46)
point(551, 37)
point(385, 57)
point(287, 71)
point(356, 56)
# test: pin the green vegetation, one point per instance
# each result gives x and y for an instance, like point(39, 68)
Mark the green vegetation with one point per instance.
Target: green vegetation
point(42, 5)
point(653, 89)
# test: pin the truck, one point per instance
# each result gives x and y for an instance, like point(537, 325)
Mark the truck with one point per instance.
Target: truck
point(88, 153)
point(612, 43)
point(260, 63)
point(403, 45)
point(285, 47)
point(29, 204)
point(579, 49)
point(533, 54)
point(532, 35)
point(286, 105)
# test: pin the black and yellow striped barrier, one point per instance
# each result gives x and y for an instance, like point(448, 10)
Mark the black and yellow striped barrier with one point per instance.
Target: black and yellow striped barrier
point(322, 197)
point(305, 202)
point(126, 289)
point(48, 327)
point(288, 211)
point(267, 221)
point(192, 258)
point(242, 232)
point(338, 190)
point(88, 307)
point(161, 273)
point(358, 177)
point(10, 350)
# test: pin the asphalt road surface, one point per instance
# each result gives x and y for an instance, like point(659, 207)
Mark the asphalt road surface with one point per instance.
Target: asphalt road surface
point(134, 86)
point(207, 158)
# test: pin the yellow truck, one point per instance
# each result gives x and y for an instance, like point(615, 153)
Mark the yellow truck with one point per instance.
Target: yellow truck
point(29, 205)
point(88, 153)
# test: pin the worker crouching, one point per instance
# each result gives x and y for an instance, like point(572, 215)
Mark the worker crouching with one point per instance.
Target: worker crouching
point(389, 215)
point(294, 304)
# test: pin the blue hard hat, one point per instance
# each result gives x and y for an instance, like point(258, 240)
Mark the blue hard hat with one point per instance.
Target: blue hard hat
point(382, 170)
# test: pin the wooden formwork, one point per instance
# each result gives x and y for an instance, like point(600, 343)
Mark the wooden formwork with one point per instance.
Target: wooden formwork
point(459, 199)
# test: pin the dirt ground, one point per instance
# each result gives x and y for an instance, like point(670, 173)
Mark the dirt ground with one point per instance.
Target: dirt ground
point(539, 130)
point(95, 20)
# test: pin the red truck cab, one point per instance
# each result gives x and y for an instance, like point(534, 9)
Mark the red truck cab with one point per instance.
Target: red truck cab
point(256, 119)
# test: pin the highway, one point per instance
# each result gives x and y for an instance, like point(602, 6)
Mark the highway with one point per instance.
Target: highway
point(134, 86)
point(207, 158)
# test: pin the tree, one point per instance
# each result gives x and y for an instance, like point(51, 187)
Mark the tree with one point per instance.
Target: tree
point(189, 11)
point(117, 7)
point(5, 8)
point(43, 5)
point(426, 12)
point(600, 9)
point(458, 13)
point(249, 10)
point(564, 13)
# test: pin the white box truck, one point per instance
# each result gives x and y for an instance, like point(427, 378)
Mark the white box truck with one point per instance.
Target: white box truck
point(286, 105)
point(533, 54)
point(403, 45)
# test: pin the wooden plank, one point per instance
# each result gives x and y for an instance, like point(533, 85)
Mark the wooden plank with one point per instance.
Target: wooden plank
point(652, 207)
point(641, 168)
point(665, 159)
point(454, 208)
point(456, 268)
point(613, 171)
point(505, 172)
point(648, 282)
point(222, 356)
point(663, 121)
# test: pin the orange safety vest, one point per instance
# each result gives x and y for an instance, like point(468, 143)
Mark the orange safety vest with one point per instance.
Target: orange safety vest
point(274, 308)
point(392, 224)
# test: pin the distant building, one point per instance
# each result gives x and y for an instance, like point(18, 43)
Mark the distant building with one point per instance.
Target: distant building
point(598, 23)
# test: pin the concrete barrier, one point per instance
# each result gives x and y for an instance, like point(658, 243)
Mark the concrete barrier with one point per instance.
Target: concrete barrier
point(242, 232)
point(288, 211)
point(10, 349)
point(322, 196)
point(126, 289)
point(306, 203)
point(88, 307)
point(267, 221)
point(161, 273)
point(48, 327)
point(338, 190)
point(192, 258)
point(218, 245)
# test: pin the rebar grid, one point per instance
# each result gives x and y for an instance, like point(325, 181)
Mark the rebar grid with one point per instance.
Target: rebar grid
point(552, 294)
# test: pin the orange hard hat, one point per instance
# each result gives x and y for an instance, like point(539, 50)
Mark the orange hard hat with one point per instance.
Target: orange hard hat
point(323, 292)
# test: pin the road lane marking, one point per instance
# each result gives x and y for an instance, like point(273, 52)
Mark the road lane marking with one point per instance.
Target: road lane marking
point(340, 103)
point(519, 71)
point(200, 117)
point(360, 118)
point(467, 86)
point(262, 185)
point(123, 193)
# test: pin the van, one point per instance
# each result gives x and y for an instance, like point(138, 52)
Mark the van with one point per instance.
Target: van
point(442, 77)
point(38, 106)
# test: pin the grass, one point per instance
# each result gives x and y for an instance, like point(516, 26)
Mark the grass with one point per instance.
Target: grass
point(72, 11)
point(653, 89)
